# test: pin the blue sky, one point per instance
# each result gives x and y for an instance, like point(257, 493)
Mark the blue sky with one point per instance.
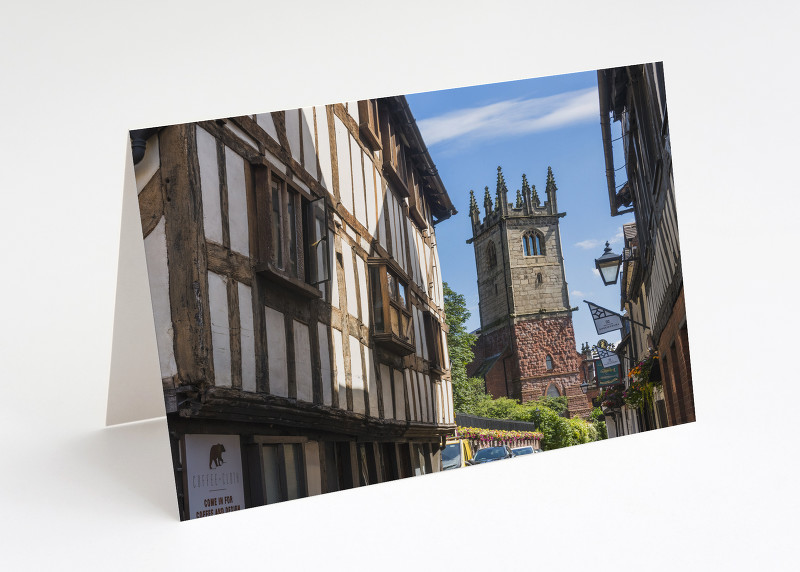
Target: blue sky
point(524, 127)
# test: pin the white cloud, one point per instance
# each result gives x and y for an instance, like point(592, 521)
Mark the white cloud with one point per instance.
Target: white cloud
point(577, 293)
point(512, 117)
point(595, 271)
point(617, 237)
point(588, 244)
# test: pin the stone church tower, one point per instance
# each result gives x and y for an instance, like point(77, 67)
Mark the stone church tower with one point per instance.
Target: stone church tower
point(526, 348)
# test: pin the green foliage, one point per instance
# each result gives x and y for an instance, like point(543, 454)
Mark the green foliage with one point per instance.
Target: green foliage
point(467, 392)
point(558, 404)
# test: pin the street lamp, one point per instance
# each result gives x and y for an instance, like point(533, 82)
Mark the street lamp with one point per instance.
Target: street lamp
point(585, 387)
point(608, 266)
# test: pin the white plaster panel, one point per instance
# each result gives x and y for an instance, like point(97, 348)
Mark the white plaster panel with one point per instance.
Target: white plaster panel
point(412, 411)
point(308, 129)
point(361, 268)
point(369, 177)
point(382, 206)
point(357, 376)
point(334, 274)
point(149, 164)
point(438, 407)
point(313, 469)
point(209, 185)
point(349, 279)
point(427, 251)
point(220, 329)
point(449, 397)
point(325, 359)
point(276, 354)
point(386, 383)
point(445, 350)
point(359, 204)
point(399, 395)
point(241, 135)
point(426, 398)
point(155, 251)
point(343, 161)
point(237, 202)
point(392, 231)
point(372, 383)
point(401, 233)
point(302, 362)
point(324, 150)
point(409, 254)
point(341, 380)
point(352, 109)
point(423, 337)
point(417, 379)
point(417, 325)
point(247, 337)
point(293, 132)
point(429, 397)
point(267, 124)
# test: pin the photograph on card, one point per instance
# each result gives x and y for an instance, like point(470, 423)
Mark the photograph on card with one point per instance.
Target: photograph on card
point(360, 292)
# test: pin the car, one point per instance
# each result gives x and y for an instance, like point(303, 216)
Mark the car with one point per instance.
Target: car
point(489, 454)
point(517, 451)
point(457, 453)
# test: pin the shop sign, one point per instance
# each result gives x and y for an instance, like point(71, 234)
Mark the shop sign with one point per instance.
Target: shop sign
point(604, 320)
point(214, 483)
point(607, 375)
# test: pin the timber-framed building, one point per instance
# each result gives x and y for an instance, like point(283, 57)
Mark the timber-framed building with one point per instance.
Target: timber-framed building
point(297, 297)
point(651, 288)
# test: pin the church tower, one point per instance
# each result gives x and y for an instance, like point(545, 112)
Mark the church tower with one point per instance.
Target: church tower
point(526, 347)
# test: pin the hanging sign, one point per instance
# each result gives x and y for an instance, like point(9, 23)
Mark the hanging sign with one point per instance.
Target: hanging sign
point(604, 320)
point(214, 482)
point(608, 357)
point(607, 375)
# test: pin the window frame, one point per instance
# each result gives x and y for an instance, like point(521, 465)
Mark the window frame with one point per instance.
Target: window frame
point(385, 304)
point(276, 194)
point(533, 243)
point(433, 335)
point(369, 123)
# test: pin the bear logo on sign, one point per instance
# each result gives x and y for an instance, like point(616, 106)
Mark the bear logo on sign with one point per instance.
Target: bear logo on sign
point(216, 455)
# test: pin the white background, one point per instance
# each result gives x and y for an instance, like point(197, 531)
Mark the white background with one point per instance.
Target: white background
point(717, 494)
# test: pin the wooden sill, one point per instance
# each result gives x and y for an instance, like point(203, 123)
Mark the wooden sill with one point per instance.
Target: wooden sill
point(390, 171)
point(270, 272)
point(394, 343)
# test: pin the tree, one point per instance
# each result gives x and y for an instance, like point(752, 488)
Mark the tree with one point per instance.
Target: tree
point(467, 392)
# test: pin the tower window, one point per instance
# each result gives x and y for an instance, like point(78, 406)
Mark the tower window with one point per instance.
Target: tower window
point(539, 278)
point(491, 255)
point(532, 244)
point(552, 391)
point(549, 362)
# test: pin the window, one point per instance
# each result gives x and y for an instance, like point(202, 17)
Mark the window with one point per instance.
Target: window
point(491, 255)
point(394, 154)
point(532, 244)
point(283, 468)
point(292, 233)
point(433, 334)
point(549, 362)
point(416, 207)
point(552, 391)
point(368, 123)
point(391, 315)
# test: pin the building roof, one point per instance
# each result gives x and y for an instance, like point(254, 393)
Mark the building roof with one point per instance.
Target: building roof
point(433, 188)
